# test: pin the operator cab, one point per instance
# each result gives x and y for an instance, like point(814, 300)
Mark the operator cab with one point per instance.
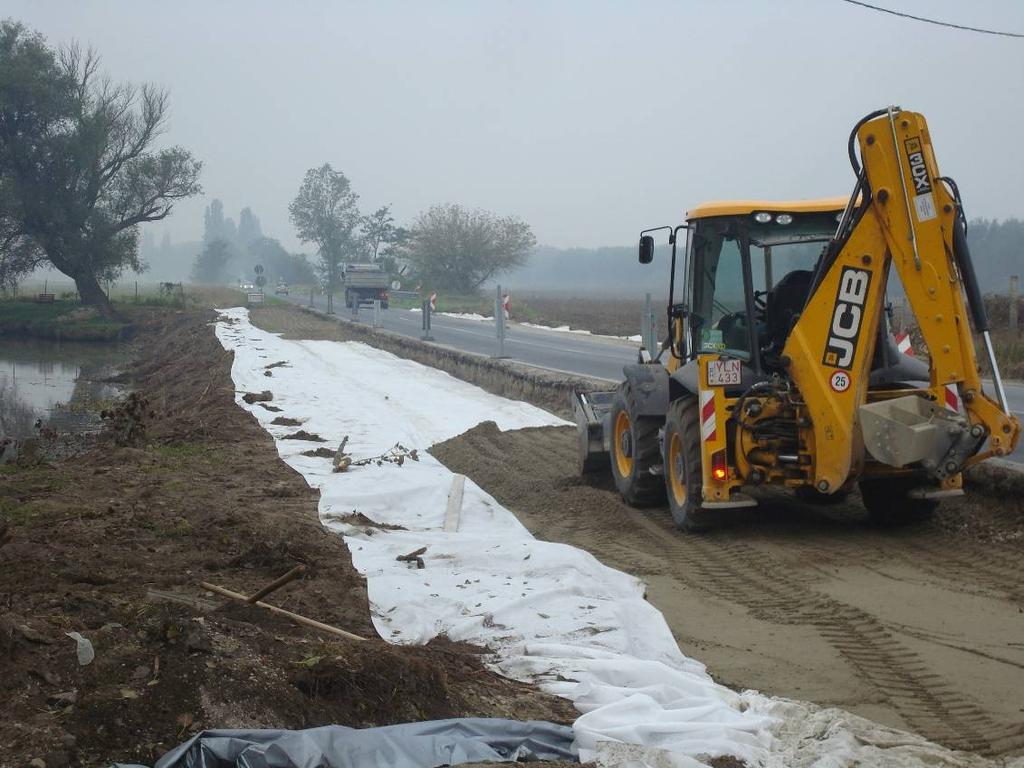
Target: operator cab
point(746, 273)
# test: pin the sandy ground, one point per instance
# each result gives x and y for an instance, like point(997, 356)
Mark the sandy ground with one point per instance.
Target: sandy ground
point(919, 628)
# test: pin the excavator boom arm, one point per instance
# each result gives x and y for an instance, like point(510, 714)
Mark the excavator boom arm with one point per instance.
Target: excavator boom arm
point(908, 218)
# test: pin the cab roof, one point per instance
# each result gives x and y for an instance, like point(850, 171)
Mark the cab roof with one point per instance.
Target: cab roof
point(745, 207)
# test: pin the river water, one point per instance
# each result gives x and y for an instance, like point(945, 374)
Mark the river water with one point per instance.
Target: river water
point(54, 384)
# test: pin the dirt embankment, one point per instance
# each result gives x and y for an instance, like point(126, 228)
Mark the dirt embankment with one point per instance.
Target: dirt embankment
point(545, 389)
point(920, 628)
point(201, 496)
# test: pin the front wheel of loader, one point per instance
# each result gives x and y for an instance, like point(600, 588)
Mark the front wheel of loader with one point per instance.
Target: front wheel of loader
point(683, 474)
point(634, 452)
point(887, 502)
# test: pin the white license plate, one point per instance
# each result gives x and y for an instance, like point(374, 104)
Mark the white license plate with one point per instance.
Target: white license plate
point(723, 373)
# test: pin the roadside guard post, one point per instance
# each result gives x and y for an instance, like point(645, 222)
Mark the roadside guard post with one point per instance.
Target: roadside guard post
point(499, 321)
point(426, 321)
point(310, 298)
point(376, 313)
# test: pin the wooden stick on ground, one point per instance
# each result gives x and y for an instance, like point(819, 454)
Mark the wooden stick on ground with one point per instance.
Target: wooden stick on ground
point(276, 584)
point(281, 612)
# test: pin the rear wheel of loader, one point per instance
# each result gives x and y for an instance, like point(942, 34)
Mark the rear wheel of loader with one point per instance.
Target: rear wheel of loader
point(887, 502)
point(683, 475)
point(634, 452)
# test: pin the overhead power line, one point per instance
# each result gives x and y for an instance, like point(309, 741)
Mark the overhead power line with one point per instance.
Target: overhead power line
point(933, 21)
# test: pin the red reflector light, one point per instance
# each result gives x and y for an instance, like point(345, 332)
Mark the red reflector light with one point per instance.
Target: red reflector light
point(719, 470)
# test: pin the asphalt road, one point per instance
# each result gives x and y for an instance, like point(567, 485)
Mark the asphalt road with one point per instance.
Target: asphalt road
point(596, 356)
point(575, 353)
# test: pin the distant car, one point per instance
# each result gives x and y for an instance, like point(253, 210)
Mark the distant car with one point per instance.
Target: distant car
point(247, 287)
point(282, 289)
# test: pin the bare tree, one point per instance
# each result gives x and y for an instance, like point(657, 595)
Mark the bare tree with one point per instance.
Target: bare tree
point(378, 229)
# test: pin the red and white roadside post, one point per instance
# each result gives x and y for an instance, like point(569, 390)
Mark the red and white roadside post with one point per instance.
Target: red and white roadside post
point(903, 344)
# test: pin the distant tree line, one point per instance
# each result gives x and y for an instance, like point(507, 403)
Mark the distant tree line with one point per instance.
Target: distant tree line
point(997, 249)
point(230, 252)
point(446, 246)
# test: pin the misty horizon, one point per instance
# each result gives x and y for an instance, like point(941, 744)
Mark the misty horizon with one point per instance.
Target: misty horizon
point(588, 120)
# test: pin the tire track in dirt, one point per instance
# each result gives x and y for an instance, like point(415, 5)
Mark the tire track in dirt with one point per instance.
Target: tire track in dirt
point(742, 574)
point(768, 568)
point(989, 570)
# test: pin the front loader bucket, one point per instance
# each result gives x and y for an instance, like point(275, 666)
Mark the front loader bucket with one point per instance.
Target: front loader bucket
point(590, 410)
point(912, 430)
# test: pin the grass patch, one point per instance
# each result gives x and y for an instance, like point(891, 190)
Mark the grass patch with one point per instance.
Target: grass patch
point(175, 529)
point(29, 478)
point(1009, 348)
point(17, 512)
point(64, 320)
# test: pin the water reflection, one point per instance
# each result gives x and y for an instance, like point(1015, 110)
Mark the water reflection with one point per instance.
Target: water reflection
point(53, 382)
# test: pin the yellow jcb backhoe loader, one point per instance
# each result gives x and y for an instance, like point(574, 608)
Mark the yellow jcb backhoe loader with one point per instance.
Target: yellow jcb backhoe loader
point(779, 367)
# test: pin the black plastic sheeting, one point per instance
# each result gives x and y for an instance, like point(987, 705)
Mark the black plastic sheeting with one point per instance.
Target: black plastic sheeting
point(409, 745)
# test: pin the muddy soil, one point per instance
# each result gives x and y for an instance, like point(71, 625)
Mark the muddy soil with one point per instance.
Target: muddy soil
point(920, 628)
point(97, 544)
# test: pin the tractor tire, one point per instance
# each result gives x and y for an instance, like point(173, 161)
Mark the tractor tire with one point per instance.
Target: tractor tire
point(683, 474)
point(887, 502)
point(634, 452)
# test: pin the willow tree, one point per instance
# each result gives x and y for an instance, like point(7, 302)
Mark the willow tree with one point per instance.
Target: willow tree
point(79, 170)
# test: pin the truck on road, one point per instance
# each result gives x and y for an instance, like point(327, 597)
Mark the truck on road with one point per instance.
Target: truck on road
point(365, 282)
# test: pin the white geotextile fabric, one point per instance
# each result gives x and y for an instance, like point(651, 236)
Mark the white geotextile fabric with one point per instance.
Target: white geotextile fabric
point(551, 613)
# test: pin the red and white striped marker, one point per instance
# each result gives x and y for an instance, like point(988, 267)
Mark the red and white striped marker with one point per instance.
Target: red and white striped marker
point(433, 302)
point(506, 304)
point(953, 401)
point(903, 344)
point(708, 424)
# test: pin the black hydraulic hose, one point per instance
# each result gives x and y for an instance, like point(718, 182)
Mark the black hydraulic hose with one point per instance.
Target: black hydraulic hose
point(851, 144)
point(966, 265)
point(860, 188)
point(964, 262)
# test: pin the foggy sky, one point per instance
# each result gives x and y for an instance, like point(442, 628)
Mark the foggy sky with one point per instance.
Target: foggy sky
point(589, 119)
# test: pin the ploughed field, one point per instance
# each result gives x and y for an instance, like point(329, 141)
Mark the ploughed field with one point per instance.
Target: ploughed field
point(920, 627)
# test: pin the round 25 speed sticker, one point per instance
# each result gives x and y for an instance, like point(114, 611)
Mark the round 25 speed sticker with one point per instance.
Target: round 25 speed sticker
point(840, 381)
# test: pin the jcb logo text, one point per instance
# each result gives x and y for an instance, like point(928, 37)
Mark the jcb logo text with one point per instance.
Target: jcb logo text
point(847, 316)
point(918, 170)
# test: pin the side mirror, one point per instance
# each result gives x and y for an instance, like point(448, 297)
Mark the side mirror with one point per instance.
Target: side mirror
point(646, 249)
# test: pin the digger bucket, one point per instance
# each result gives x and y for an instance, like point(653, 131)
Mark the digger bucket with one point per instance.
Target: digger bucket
point(910, 430)
point(590, 410)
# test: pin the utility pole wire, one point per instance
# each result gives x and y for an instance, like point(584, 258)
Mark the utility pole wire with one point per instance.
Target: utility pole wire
point(933, 21)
